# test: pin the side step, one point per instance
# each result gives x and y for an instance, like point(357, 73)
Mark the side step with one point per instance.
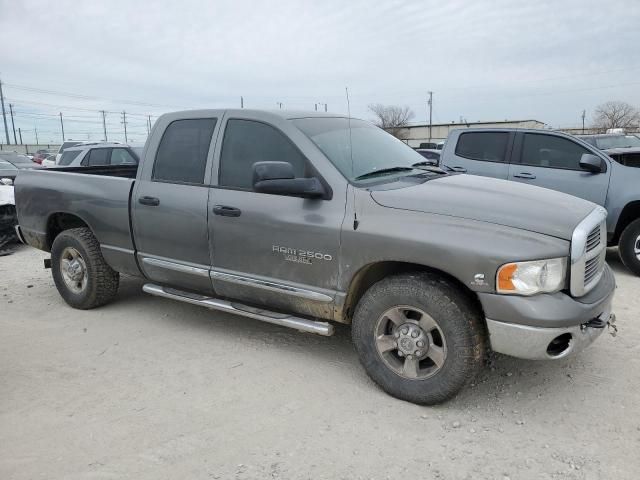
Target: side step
point(311, 326)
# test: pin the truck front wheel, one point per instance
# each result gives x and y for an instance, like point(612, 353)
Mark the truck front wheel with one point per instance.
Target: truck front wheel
point(82, 277)
point(419, 337)
point(629, 246)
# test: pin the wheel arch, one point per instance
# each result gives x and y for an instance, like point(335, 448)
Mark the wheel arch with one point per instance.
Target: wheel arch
point(58, 222)
point(374, 272)
point(630, 212)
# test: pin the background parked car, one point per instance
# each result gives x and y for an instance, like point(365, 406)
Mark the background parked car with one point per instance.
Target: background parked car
point(12, 162)
point(95, 154)
point(560, 162)
point(49, 161)
point(429, 154)
point(623, 148)
point(65, 145)
point(41, 155)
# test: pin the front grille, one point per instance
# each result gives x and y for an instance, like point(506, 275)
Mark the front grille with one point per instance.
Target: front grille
point(588, 251)
point(593, 240)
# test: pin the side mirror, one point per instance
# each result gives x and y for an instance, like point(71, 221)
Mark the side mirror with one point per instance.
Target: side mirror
point(591, 163)
point(278, 178)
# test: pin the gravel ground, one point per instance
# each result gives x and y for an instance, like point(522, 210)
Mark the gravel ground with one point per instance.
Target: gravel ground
point(147, 388)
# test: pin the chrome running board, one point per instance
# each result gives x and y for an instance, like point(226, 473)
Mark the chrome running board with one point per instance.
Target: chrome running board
point(311, 326)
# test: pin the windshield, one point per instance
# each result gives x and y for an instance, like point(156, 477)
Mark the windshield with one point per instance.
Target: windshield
point(373, 148)
point(617, 141)
point(4, 165)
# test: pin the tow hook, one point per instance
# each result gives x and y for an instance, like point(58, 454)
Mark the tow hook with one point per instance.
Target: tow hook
point(601, 323)
point(611, 324)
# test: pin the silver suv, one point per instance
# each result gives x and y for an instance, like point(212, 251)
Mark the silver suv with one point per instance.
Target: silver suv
point(100, 154)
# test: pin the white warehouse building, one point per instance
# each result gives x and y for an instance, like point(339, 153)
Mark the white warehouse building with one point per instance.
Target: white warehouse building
point(414, 135)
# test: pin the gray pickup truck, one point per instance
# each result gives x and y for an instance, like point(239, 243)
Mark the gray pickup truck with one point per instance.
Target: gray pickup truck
point(302, 219)
point(560, 162)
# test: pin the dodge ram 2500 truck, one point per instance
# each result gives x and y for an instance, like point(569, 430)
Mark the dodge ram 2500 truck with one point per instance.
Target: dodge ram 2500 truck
point(305, 219)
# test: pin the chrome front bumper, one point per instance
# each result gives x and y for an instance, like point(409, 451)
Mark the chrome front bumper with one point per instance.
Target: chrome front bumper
point(533, 343)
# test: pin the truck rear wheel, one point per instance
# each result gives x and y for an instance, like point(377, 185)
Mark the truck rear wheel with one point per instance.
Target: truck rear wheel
point(82, 277)
point(629, 246)
point(419, 337)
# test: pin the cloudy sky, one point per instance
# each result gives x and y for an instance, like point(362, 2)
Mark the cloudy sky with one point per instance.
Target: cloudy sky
point(495, 60)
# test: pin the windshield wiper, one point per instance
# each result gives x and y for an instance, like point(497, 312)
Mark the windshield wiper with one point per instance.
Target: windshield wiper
point(428, 166)
point(382, 171)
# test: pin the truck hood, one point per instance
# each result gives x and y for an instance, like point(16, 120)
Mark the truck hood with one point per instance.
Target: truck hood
point(491, 200)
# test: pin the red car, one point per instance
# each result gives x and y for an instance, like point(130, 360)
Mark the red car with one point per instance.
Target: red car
point(41, 155)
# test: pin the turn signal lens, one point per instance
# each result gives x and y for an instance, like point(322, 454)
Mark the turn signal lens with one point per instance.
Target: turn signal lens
point(529, 278)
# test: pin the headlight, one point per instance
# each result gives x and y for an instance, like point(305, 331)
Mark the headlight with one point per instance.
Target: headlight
point(529, 278)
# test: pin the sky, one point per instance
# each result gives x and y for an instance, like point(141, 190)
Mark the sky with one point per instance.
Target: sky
point(545, 60)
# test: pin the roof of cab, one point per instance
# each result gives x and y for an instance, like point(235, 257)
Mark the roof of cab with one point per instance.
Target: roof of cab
point(285, 114)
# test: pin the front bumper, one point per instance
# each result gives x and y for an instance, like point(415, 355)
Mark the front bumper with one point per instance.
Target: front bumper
point(525, 327)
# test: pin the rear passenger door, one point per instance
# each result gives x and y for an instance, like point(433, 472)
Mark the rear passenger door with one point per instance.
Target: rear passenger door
point(553, 161)
point(481, 153)
point(169, 203)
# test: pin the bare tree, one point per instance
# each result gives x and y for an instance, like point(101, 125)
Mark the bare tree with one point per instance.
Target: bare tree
point(616, 115)
point(392, 118)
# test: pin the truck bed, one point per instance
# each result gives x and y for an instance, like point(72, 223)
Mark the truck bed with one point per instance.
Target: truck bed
point(97, 197)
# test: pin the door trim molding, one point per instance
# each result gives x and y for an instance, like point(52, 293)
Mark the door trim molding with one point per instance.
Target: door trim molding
point(177, 267)
point(271, 286)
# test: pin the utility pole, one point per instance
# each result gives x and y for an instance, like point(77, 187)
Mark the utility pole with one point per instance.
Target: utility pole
point(321, 104)
point(124, 122)
point(20, 134)
point(584, 114)
point(35, 129)
point(241, 102)
point(4, 114)
point(13, 125)
point(62, 127)
point(104, 124)
point(315, 106)
point(279, 105)
point(430, 103)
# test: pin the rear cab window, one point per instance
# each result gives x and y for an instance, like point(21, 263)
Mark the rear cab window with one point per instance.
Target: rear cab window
point(483, 146)
point(182, 153)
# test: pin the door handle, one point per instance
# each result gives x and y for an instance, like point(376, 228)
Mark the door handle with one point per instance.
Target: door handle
point(227, 211)
point(151, 201)
point(526, 175)
point(459, 169)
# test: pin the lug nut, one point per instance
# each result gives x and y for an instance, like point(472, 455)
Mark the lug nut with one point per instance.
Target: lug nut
point(400, 354)
point(415, 333)
point(405, 331)
point(397, 334)
point(418, 353)
point(420, 343)
point(409, 357)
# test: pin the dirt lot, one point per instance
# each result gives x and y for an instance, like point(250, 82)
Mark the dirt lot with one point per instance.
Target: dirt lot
point(147, 388)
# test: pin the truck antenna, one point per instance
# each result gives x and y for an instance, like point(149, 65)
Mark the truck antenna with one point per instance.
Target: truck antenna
point(355, 214)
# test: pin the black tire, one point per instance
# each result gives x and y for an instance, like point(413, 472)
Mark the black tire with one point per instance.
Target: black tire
point(8, 221)
point(628, 245)
point(101, 284)
point(458, 319)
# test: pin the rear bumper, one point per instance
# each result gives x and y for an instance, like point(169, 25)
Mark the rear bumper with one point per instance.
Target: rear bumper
point(525, 327)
